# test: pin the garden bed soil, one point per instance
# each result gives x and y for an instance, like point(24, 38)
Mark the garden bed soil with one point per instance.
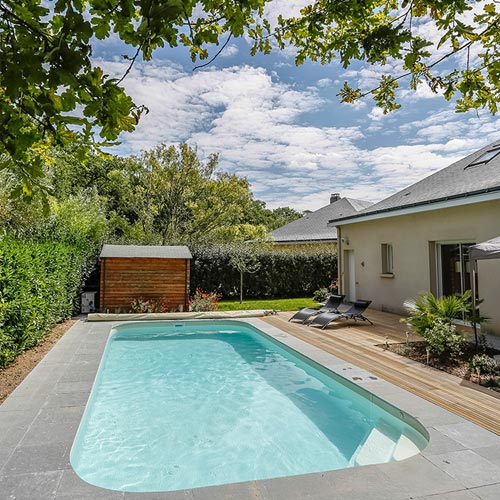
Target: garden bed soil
point(459, 367)
point(12, 375)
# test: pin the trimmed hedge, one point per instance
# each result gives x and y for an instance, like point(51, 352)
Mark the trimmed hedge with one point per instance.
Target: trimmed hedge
point(281, 274)
point(39, 282)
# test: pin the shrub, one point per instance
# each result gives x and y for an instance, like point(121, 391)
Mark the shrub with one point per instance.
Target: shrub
point(280, 274)
point(426, 309)
point(443, 339)
point(491, 382)
point(39, 282)
point(483, 364)
point(321, 295)
point(142, 305)
point(204, 301)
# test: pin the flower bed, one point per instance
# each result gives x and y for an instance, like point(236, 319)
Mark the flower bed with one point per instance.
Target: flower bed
point(459, 366)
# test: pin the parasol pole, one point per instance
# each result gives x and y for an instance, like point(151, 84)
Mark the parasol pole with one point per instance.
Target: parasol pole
point(474, 305)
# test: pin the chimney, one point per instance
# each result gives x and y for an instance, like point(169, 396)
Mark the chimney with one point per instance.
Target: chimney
point(334, 197)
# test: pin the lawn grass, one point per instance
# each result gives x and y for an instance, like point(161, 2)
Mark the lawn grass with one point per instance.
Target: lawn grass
point(275, 304)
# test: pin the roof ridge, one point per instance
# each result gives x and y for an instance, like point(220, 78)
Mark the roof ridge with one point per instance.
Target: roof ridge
point(453, 181)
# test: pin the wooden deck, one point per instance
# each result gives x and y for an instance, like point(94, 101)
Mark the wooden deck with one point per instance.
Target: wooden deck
point(359, 343)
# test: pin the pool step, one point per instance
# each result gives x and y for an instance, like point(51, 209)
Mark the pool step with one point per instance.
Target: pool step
point(378, 446)
point(383, 444)
point(405, 448)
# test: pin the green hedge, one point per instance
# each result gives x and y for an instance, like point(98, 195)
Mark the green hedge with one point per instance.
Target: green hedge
point(281, 274)
point(39, 282)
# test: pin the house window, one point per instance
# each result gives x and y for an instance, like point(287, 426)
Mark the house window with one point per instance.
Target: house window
point(485, 157)
point(387, 259)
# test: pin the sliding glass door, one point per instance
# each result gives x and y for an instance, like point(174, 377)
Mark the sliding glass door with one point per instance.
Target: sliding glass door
point(454, 276)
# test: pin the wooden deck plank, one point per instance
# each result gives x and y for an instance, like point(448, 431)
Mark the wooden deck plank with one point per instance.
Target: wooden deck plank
point(359, 344)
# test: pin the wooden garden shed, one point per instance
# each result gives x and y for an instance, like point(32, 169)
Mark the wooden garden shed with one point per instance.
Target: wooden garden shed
point(129, 272)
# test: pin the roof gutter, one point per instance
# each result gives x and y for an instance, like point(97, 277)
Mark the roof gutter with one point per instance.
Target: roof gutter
point(425, 206)
point(298, 242)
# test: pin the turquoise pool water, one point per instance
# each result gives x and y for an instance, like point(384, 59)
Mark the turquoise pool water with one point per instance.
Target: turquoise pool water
point(185, 405)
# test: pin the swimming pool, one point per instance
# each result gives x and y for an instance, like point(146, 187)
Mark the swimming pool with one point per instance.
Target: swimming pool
point(179, 405)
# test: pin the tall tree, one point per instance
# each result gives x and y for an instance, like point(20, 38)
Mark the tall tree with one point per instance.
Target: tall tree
point(413, 38)
point(271, 218)
point(184, 199)
point(51, 92)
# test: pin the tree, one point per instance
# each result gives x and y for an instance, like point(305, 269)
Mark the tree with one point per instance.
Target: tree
point(387, 31)
point(271, 219)
point(52, 93)
point(166, 194)
point(113, 178)
point(284, 215)
point(183, 199)
point(244, 259)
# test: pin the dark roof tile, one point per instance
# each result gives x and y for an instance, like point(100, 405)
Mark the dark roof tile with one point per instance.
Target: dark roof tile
point(313, 226)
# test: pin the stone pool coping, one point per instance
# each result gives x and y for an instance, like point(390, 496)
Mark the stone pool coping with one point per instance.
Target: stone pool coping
point(39, 420)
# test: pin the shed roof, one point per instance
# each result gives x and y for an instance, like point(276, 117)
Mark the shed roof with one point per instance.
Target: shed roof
point(313, 226)
point(146, 251)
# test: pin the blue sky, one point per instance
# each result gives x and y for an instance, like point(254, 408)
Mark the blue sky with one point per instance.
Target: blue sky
point(283, 127)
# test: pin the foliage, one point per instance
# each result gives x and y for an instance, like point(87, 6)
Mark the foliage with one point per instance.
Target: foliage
point(432, 317)
point(76, 219)
point(410, 40)
point(281, 274)
point(426, 309)
point(142, 305)
point(271, 219)
point(47, 250)
point(443, 339)
point(268, 304)
point(52, 92)
point(475, 318)
point(183, 199)
point(491, 382)
point(165, 195)
point(16, 217)
point(39, 282)
point(321, 294)
point(79, 220)
point(244, 258)
point(483, 364)
point(204, 301)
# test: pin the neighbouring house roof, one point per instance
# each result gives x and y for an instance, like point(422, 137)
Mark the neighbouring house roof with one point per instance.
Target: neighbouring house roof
point(313, 226)
point(146, 251)
point(466, 181)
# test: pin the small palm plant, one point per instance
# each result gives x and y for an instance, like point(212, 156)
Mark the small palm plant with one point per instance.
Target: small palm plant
point(426, 309)
point(431, 317)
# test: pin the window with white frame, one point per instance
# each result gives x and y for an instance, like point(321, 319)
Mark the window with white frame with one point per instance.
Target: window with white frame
point(387, 259)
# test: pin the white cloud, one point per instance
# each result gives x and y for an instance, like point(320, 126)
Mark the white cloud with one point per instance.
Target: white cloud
point(377, 114)
point(254, 121)
point(285, 8)
point(324, 82)
point(229, 51)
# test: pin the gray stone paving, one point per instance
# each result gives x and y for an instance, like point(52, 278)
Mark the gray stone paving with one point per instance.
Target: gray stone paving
point(39, 420)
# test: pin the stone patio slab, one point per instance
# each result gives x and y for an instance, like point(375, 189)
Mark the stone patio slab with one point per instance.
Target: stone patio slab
point(39, 420)
point(491, 492)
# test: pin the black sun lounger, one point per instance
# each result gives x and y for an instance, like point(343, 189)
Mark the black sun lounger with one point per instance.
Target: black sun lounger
point(331, 305)
point(355, 312)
